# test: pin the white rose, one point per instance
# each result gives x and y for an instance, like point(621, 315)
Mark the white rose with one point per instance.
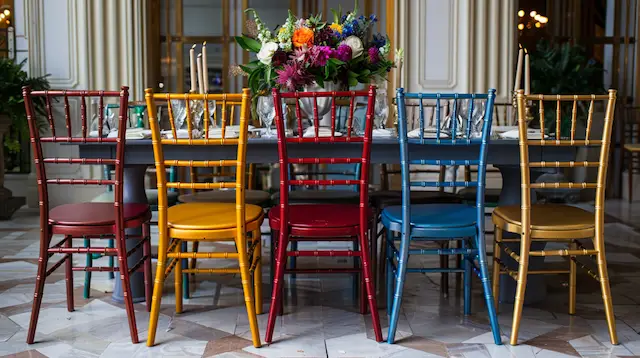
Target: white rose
point(266, 52)
point(355, 44)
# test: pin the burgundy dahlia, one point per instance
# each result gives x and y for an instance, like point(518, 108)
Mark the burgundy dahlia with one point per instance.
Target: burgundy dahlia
point(279, 58)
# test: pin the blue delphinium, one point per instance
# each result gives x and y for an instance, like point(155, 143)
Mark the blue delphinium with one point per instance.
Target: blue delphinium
point(379, 40)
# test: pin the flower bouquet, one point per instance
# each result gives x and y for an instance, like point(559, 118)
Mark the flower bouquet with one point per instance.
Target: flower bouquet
point(303, 51)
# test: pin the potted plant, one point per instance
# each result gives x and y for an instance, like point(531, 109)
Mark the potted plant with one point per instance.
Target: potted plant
point(566, 69)
point(13, 123)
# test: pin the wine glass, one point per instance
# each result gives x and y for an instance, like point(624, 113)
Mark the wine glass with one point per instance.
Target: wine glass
point(266, 113)
point(179, 112)
point(381, 109)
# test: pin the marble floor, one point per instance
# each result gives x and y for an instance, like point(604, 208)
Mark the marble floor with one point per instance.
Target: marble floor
point(321, 317)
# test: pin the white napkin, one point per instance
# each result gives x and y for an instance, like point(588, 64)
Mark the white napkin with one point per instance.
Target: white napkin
point(216, 133)
point(382, 133)
point(515, 134)
point(502, 129)
point(180, 133)
point(322, 132)
point(132, 133)
point(429, 133)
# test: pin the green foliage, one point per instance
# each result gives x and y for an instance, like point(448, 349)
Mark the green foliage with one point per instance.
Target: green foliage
point(564, 69)
point(12, 79)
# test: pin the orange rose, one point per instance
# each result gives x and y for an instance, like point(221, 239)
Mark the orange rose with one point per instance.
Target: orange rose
point(303, 37)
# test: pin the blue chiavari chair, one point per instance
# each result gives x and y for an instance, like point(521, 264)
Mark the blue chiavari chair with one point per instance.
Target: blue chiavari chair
point(439, 222)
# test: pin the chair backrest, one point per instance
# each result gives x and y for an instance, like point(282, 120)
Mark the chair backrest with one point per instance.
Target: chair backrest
point(71, 135)
point(565, 106)
point(221, 137)
point(466, 137)
point(348, 135)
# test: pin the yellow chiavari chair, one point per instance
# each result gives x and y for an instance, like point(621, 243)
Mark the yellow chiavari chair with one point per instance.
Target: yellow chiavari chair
point(556, 222)
point(205, 221)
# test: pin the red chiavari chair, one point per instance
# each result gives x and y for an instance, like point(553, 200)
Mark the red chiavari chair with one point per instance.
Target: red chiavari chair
point(85, 220)
point(323, 222)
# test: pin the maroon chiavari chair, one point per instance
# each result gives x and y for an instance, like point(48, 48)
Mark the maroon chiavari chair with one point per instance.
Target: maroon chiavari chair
point(85, 220)
point(323, 222)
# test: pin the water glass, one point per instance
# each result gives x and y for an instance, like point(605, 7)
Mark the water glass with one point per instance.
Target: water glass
point(266, 112)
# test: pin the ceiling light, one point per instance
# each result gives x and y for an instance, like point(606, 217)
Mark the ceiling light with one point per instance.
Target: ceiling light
point(533, 13)
point(7, 12)
point(521, 13)
point(537, 24)
point(520, 26)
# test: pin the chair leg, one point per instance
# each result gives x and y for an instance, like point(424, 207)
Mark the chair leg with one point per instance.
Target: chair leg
point(401, 273)
point(43, 259)
point(126, 285)
point(87, 274)
point(362, 289)
point(601, 260)
point(146, 251)
point(572, 280)
point(444, 276)
point(373, 242)
point(257, 274)
point(293, 262)
point(68, 273)
point(111, 245)
point(356, 278)
point(486, 286)
point(276, 291)
point(466, 279)
point(241, 243)
point(390, 279)
point(518, 302)
point(184, 264)
point(158, 285)
point(177, 275)
point(368, 282)
point(193, 262)
point(630, 176)
point(459, 245)
point(497, 250)
point(382, 266)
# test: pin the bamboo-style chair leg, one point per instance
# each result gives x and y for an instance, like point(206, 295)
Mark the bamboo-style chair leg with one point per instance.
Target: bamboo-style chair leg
point(459, 260)
point(126, 285)
point(466, 263)
point(277, 285)
point(365, 262)
point(178, 279)
point(390, 276)
point(630, 176)
point(111, 245)
point(68, 273)
point(241, 244)
point(193, 263)
point(523, 269)
point(157, 288)
point(184, 264)
point(486, 287)
point(257, 273)
point(603, 274)
point(87, 275)
point(45, 241)
point(495, 279)
point(146, 251)
point(444, 276)
point(572, 280)
point(401, 273)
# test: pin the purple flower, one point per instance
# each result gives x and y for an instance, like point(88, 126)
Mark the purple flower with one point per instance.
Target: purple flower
point(279, 58)
point(293, 76)
point(343, 53)
point(320, 55)
point(374, 55)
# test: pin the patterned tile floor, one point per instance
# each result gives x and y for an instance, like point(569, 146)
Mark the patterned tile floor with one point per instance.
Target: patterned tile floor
point(321, 318)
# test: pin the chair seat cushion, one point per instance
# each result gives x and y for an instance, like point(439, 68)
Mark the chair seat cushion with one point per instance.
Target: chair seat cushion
point(255, 197)
point(318, 216)
point(548, 217)
point(384, 198)
point(209, 216)
point(320, 196)
point(93, 214)
point(491, 195)
point(433, 216)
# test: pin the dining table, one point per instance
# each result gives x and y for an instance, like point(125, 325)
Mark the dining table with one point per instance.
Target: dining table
point(503, 154)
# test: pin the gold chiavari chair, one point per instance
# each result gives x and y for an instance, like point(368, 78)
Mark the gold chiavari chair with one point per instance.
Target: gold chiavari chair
point(556, 222)
point(206, 221)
